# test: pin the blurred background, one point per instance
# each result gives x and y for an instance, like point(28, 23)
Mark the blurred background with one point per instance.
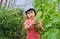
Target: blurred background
point(21, 3)
point(16, 3)
point(12, 17)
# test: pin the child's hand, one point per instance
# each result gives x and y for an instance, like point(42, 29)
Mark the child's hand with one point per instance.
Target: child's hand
point(40, 26)
point(34, 22)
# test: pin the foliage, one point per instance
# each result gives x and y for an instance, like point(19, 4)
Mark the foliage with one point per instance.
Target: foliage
point(50, 18)
point(23, 30)
point(10, 22)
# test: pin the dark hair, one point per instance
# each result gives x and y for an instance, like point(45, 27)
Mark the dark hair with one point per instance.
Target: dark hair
point(30, 10)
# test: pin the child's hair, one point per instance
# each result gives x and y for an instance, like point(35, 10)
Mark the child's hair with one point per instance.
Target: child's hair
point(30, 10)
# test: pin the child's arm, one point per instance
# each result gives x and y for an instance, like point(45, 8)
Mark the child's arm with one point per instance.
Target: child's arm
point(27, 26)
point(40, 26)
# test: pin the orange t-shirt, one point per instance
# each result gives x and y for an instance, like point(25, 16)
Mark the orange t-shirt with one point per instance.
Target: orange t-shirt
point(31, 33)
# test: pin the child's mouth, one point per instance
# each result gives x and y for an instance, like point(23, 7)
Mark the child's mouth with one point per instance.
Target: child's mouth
point(31, 16)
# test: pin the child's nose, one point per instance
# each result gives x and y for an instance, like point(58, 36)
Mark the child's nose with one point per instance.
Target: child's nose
point(30, 13)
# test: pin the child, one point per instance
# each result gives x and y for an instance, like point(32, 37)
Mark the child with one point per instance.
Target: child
point(29, 24)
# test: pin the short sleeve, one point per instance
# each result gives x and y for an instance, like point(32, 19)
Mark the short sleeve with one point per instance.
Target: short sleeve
point(26, 22)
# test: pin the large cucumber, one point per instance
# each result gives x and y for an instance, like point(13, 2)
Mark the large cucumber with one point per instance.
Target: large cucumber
point(36, 27)
point(37, 18)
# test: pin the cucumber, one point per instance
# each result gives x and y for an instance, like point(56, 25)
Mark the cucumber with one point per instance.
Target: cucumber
point(36, 27)
point(39, 14)
point(37, 18)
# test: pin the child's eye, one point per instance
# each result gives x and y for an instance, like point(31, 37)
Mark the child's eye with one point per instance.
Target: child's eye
point(27, 13)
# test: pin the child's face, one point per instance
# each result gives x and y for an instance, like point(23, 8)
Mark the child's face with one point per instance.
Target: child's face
point(31, 14)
